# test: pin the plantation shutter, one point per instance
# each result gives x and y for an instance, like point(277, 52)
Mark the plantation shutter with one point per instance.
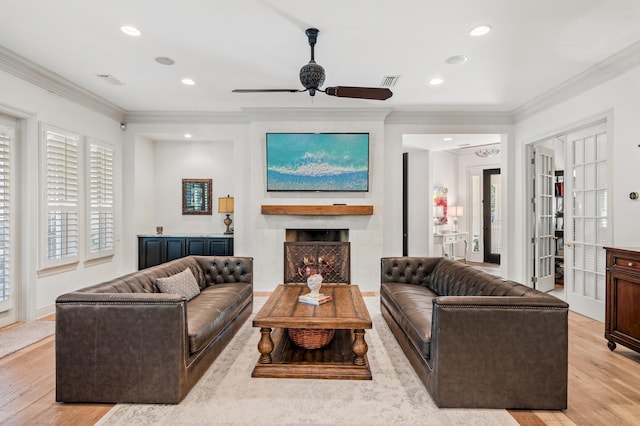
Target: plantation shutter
point(101, 228)
point(61, 196)
point(5, 217)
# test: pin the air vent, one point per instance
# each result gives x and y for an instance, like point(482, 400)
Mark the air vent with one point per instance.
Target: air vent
point(389, 80)
point(110, 79)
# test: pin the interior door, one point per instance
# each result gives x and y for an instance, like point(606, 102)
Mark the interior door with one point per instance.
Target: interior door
point(492, 215)
point(544, 209)
point(587, 225)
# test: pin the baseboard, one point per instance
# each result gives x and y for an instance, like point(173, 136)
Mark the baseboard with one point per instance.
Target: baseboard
point(45, 311)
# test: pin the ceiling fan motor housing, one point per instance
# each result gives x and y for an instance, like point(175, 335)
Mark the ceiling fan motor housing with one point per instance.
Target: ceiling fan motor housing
point(312, 76)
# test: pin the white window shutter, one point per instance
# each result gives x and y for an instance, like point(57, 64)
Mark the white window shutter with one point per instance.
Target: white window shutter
point(5, 217)
point(61, 197)
point(100, 200)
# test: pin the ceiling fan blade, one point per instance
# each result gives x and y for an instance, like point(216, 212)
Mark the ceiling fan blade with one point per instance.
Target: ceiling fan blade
point(376, 93)
point(266, 90)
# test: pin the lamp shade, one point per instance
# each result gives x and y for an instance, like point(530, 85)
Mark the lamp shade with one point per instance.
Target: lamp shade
point(455, 211)
point(225, 204)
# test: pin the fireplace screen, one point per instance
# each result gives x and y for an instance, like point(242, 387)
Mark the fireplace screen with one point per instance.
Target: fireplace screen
point(330, 259)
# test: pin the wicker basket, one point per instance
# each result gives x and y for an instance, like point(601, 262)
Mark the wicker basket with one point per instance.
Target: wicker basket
point(311, 338)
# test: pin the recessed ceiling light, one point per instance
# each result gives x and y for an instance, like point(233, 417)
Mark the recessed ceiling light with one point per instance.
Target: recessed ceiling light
point(456, 60)
point(187, 135)
point(165, 61)
point(188, 81)
point(130, 30)
point(480, 30)
point(436, 81)
point(447, 139)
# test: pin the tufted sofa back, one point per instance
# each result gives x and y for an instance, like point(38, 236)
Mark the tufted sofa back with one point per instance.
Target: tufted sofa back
point(446, 277)
point(407, 270)
point(208, 270)
point(221, 269)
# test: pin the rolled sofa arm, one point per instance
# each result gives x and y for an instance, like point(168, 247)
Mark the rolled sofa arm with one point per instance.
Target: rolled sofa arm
point(113, 347)
point(515, 345)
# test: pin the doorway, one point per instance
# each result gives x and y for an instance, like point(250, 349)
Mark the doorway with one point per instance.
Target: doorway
point(491, 215)
point(581, 210)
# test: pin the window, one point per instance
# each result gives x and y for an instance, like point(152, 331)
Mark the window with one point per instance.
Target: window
point(100, 199)
point(61, 196)
point(6, 136)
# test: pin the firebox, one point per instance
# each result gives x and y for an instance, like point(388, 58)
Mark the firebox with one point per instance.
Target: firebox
point(331, 259)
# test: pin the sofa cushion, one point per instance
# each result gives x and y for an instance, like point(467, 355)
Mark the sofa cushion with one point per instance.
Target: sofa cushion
point(411, 307)
point(183, 283)
point(213, 310)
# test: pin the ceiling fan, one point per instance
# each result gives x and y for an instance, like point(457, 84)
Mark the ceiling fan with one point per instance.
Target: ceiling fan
point(312, 77)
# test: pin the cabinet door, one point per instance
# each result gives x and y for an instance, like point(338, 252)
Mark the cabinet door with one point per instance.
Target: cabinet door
point(174, 249)
point(622, 314)
point(197, 246)
point(219, 247)
point(150, 252)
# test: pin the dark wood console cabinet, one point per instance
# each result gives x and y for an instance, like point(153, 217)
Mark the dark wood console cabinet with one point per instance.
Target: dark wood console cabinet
point(154, 250)
point(622, 319)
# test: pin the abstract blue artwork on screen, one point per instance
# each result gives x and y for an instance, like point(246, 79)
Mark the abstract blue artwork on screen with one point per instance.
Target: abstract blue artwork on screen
point(318, 162)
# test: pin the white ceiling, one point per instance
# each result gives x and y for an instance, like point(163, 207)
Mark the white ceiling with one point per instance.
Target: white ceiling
point(535, 46)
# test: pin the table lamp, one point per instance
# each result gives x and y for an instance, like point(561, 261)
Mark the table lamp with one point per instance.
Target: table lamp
point(455, 212)
point(225, 206)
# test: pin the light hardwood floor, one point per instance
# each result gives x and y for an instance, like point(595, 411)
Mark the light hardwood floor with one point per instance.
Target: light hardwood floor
point(604, 386)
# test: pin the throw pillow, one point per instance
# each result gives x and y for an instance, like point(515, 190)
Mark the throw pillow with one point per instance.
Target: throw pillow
point(183, 283)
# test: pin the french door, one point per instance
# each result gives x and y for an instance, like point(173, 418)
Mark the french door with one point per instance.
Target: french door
point(544, 229)
point(587, 224)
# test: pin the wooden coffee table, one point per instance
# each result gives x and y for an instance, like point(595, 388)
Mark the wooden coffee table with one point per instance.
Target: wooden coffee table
point(345, 357)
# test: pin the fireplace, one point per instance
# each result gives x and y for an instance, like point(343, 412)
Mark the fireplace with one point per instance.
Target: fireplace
point(323, 251)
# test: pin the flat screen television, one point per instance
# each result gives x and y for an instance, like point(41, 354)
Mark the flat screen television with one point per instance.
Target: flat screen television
point(318, 162)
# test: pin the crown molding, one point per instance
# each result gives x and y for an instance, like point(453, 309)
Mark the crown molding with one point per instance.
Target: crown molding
point(33, 73)
point(316, 114)
point(194, 117)
point(614, 66)
point(450, 117)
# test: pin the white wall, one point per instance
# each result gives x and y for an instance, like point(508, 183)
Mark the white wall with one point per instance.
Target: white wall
point(38, 289)
point(420, 202)
point(619, 99)
point(142, 165)
point(268, 232)
point(155, 170)
point(177, 160)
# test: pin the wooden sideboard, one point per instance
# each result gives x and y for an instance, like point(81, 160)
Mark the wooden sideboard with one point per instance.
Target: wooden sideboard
point(156, 249)
point(622, 318)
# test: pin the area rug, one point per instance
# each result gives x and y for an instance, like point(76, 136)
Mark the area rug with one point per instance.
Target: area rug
point(228, 395)
point(23, 335)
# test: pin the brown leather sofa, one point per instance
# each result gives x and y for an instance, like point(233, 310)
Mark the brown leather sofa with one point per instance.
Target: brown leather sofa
point(476, 340)
point(124, 341)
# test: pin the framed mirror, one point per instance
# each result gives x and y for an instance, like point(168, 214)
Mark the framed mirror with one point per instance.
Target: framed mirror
point(196, 196)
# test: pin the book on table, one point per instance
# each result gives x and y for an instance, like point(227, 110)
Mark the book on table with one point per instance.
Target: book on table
point(319, 300)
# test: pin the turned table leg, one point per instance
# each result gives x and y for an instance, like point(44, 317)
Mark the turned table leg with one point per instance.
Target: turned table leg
point(359, 347)
point(265, 346)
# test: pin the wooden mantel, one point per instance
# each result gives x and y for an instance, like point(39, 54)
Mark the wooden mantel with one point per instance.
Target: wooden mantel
point(318, 210)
